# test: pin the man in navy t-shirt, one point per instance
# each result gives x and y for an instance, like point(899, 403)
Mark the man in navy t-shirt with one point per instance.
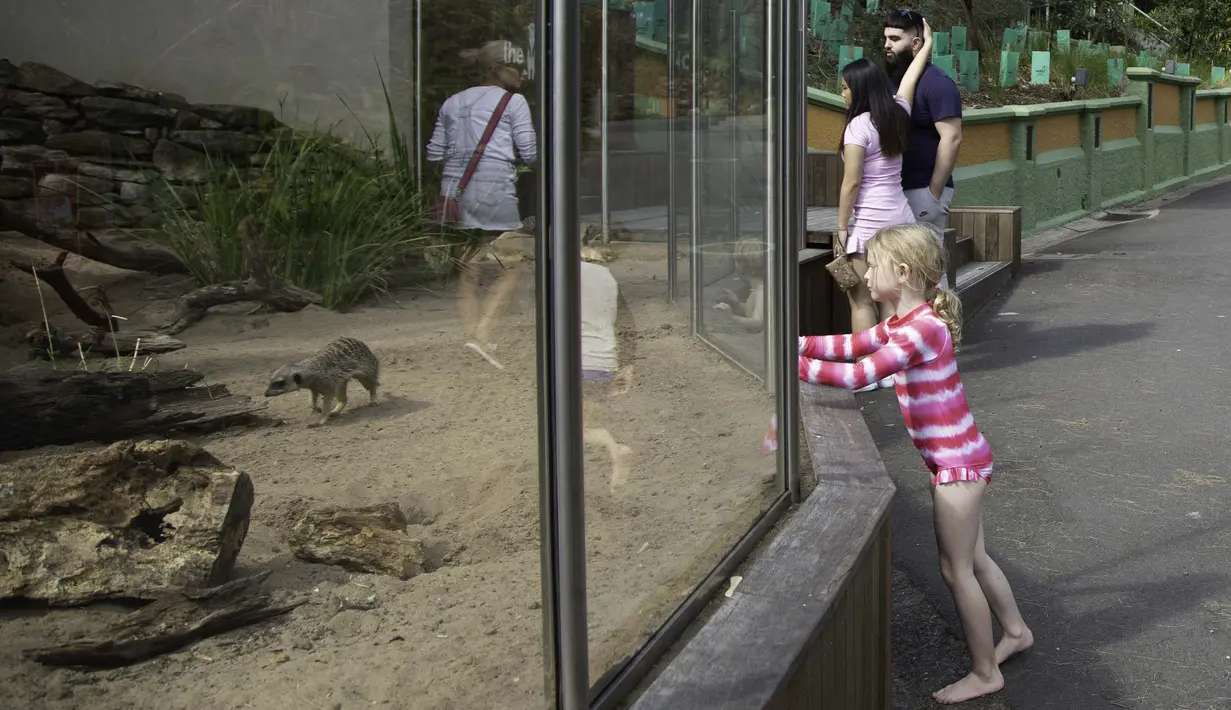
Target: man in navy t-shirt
point(936, 122)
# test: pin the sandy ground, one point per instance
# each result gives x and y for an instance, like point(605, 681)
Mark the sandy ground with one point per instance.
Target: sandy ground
point(453, 441)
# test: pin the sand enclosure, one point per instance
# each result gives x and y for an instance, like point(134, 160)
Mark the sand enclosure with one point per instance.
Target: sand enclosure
point(453, 442)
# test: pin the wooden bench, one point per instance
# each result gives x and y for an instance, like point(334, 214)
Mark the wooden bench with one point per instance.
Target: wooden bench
point(995, 232)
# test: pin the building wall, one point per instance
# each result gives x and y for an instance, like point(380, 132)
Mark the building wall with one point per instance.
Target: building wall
point(307, 53)
point(1166, 105)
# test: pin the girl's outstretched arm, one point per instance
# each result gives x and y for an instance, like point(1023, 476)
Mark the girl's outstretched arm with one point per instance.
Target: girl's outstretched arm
point(906, 90)
point(908, 347)
point(846, 346)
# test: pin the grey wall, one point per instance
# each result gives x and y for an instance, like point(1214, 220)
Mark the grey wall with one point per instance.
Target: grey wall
point(249, 52)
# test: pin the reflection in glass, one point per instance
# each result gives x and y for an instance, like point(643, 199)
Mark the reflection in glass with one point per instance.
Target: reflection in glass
point(684, 411)
point(275, 147)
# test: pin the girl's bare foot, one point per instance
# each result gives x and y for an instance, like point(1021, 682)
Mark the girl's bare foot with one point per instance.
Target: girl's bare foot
point(1010, 646)
point(969, 688)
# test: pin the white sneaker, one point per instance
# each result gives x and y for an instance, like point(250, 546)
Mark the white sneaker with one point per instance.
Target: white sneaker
point(886, 383)
point(869, 388)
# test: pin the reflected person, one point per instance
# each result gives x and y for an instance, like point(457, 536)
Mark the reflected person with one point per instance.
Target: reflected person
point(608, 351)
point(482, 135)
point(749, 261)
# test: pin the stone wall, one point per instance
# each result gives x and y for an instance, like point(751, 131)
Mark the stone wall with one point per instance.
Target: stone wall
point(94, 156)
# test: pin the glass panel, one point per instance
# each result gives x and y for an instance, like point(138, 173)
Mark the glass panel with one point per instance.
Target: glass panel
point(251, 141)
point(732, 194)
point(674, 422)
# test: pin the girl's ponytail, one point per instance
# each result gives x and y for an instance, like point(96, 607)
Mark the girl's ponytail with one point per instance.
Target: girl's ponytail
point(948, 307)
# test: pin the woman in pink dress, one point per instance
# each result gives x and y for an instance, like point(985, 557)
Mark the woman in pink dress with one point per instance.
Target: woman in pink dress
point(877, 128)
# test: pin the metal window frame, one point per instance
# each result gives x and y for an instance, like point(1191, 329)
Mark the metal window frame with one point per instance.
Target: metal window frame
point(561, 458)
point(566, 663)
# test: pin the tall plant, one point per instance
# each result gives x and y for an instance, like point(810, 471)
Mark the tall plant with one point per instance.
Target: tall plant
point(330, 218)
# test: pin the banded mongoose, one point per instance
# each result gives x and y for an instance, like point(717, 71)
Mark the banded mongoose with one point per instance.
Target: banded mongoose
point(326, 375)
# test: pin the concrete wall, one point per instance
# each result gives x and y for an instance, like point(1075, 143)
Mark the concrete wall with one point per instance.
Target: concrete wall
point(309, 52)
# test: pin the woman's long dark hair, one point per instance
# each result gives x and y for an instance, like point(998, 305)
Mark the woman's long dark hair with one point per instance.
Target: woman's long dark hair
point(872, 93)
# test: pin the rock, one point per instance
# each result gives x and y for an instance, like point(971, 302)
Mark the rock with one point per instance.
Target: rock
point(134, 192)
point(26, 104)
point(8, 72)
point(33, 76)
point(230, 143)
point(106, 216)
point(174, 101)
point(66, 183)
point(14, 187)
point(129, 521)
point(19, 160)
point(369, 539)
point(238, 117)
point(81, 189)
point(110, 172)
point(120, 90)
point(99, 143)
point(123, 114)
point(20, 130)
point(186, 121)
point(53, 127)
point(180, 164)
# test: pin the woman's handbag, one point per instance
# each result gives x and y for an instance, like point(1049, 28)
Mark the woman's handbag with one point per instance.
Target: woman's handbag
point(449, 209)
point(840, 268)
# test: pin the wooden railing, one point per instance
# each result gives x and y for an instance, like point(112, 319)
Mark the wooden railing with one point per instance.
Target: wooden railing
point(808, 627)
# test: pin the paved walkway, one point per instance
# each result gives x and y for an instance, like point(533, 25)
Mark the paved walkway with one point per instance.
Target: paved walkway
point(1101, 380)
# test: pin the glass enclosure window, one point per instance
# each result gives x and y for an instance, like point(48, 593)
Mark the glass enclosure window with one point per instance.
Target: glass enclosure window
point(677, 398)
point(252, 199)
point(200, 143)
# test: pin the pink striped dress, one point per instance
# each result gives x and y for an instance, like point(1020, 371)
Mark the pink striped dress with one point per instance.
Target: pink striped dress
point(918, 351)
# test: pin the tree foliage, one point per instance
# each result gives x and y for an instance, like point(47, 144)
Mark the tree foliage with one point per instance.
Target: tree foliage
point(1195, 28)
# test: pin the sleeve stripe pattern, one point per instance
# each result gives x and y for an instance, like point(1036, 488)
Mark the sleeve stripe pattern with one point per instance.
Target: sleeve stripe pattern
point(930, 391)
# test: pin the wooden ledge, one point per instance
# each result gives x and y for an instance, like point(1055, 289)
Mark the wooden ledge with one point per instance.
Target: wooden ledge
point(796, 632)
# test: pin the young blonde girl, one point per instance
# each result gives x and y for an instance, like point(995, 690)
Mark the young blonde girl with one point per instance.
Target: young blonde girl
point(749, 260)
point(915, 346)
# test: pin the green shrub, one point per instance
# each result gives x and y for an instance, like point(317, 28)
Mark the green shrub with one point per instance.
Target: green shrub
point(330, 218)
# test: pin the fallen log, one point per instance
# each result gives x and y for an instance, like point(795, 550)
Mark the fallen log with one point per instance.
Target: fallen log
point(170, 623)
point(41, 407)
point(262, 286)
point(97, 342)
point(114, 249)
point(131, 521)
point(54, 276)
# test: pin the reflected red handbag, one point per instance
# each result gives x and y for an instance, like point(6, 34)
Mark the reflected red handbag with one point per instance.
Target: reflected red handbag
point(449, 208)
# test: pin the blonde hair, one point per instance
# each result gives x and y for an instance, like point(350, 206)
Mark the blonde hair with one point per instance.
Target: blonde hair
point(920, 247)
point(481, 60)
point(749, 257)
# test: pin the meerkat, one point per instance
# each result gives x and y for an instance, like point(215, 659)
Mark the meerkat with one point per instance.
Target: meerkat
point(326, 374)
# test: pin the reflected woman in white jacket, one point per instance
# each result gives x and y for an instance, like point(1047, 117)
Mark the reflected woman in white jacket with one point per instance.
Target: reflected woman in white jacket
point(486, 188)
point(489, 199)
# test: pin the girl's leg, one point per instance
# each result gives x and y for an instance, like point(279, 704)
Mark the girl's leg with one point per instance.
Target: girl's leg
point(505, 283)
point(468, 294)
point(958, 510)
point(1017, 636)
point(863, 309)
point(618, 452)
